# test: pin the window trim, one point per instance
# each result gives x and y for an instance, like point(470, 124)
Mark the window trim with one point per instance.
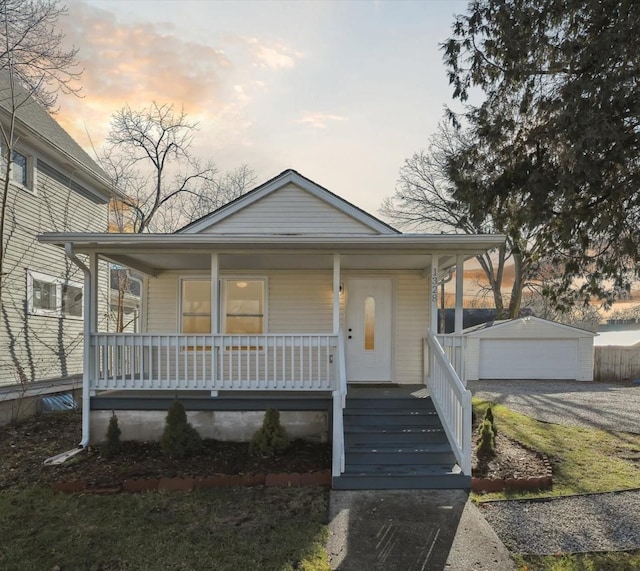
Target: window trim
point(222, 299)
point(29, 186)
point(59, 283)
point(200, 277)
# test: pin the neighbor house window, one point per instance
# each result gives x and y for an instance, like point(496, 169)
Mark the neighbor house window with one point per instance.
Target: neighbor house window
point(196, 305)
point(53, 297)
point(19, 168)
point(243, 306)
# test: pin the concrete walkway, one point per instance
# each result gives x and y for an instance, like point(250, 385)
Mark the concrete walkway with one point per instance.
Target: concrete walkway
point(612, 407)
point(415, 530)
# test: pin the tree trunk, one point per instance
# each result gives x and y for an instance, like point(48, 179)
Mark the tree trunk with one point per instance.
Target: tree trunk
point(516, 289)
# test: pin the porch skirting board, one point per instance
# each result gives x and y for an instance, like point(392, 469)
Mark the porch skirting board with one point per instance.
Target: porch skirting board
point(238, 426)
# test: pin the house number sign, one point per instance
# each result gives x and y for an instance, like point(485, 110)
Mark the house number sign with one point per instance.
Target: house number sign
point(434, 285)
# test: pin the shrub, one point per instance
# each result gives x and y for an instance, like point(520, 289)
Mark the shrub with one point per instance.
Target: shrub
point(179, 439)
point(488, 415)
point(112, 445)
point(272, 437)
point(486, 441)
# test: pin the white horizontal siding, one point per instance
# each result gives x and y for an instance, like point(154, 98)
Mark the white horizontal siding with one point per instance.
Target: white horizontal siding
point(300, 302)
point(585, 359)
point(162, 304)
point(289, 210)
point(411, 323)
point(35, 346)
point(472, 359)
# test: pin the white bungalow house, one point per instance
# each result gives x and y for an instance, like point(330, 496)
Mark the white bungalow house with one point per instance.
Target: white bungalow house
point(288, 297)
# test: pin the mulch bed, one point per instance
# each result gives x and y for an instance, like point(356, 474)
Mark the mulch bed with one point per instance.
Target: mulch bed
point(24, 448)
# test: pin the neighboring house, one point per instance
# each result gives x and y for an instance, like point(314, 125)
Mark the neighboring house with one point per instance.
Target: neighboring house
point(289, 297)
point(528, 348)
point(55, 186)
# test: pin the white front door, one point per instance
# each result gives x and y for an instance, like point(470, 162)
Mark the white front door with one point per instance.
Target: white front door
point(368, 332)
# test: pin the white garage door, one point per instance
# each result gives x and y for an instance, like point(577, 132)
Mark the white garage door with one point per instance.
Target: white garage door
point(528, 359)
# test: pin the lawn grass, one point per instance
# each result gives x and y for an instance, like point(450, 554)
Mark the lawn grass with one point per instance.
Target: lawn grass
point(613, 561)
point(230, 529)
point(584, 460)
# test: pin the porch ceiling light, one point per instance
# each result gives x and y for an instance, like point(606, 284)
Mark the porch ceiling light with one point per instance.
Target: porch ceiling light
point(241, 284)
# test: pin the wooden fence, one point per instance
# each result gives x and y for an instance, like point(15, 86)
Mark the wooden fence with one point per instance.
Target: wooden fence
point(612, 363)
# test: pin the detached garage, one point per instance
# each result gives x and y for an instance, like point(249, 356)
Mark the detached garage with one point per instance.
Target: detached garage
point(529, 348)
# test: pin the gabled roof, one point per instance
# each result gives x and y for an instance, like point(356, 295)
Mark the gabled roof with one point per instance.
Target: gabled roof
point(286, 177)
point(36, 122)
point(509, 322)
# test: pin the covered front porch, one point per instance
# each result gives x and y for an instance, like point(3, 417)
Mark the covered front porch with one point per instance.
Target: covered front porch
point(330, 315)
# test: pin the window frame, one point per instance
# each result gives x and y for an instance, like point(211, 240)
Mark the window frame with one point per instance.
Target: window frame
point(181, 302)
point(28, 184)
point(59, 283)
point(223, 301)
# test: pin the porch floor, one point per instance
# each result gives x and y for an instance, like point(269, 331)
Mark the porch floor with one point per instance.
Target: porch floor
point(250, 400)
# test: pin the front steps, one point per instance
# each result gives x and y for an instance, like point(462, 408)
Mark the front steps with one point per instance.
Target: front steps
point(395, 441)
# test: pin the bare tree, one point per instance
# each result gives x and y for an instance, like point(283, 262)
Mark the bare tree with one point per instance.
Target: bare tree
point(149, 158)
point(165, 186)
point(424, 200)
point(37, 67)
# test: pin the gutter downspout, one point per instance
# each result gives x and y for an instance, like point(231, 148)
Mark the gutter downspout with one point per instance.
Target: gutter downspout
point(86, 345)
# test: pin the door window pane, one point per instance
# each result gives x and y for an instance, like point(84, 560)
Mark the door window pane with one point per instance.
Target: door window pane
point(369, 323)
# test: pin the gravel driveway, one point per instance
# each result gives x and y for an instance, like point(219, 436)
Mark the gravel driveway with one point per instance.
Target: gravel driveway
point(592, 522)
point(587, 523)
point(607, 406)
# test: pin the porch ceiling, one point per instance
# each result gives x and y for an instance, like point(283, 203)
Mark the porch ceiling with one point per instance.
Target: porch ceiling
point(155, 253)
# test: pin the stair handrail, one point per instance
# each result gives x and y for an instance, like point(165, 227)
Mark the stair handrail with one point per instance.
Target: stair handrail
point(451, 400)
point(339, 402)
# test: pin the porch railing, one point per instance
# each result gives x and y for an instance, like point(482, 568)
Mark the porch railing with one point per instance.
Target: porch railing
point(339, 402)
point(130, 361)
point(452, 401)
point(455, 346)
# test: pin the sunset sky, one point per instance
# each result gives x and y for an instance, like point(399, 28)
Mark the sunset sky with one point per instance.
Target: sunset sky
point(343, 92)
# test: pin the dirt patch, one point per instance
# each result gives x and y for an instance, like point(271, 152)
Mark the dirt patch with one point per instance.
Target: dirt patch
point(512, 460)
point(24, 448)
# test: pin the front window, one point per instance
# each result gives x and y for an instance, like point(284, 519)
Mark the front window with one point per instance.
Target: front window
point(196, 306)
point(243, 308)
point(53, 297)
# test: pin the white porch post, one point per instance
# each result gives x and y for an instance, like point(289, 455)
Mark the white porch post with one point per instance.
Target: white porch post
point(336, 294)
point(93, 293)
point(215, 316)
point(92, 318)
point(459, 293)
point(215, 285)
point(434, 293)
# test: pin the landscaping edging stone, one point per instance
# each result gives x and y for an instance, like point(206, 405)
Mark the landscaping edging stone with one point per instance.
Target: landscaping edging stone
point(521, 484)
point(136, 485)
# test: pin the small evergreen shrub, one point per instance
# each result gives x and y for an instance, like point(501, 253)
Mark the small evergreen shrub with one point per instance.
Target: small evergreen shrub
point(488, 415)
point(179, 439)
point(112, 445)
point(272, 438)
point(486, 440)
